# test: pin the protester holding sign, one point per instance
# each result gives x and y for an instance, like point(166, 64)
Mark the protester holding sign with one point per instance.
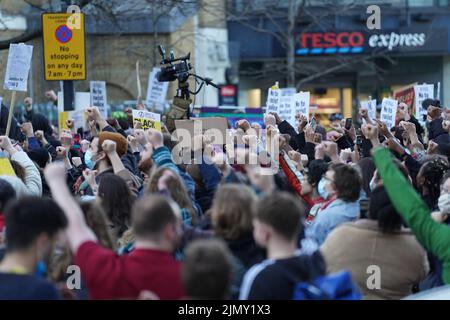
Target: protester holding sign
point(203, 182)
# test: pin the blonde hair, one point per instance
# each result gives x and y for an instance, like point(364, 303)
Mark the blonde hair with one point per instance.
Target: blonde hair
point(232, 209)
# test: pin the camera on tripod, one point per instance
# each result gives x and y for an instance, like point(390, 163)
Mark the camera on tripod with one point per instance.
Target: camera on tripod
point(174, 71)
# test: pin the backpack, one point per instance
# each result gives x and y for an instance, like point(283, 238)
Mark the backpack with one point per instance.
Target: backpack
point(336, 286)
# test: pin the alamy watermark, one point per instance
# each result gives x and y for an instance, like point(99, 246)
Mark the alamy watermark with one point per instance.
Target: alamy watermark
point(374, 279)
point(257, 147)
point(74, 20)
point(374, 20)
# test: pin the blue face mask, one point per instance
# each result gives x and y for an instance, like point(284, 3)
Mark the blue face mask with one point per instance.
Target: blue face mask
point(321, 188)
point(88, 160)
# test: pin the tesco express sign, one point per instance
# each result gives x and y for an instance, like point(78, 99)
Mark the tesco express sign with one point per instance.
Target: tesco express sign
point(355, 42)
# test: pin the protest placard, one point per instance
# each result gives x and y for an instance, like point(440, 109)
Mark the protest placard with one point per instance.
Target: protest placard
point(98, 96)
point(421, 93)
point(157, 91)
point(301, 104)
point(18, 67)
point(371, 106)
point(406, 95)
point(285, 108)
point(6, 168)
point(197, 126)
point(78, 117)
point(82, 101)
point(148, 120)
point(388, 112)
point(273, 99)
point(16, 76)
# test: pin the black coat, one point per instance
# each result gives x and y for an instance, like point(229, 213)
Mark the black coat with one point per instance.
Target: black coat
point(15, 132)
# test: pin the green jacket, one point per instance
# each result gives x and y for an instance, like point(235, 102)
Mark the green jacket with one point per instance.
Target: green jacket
point(432, 235)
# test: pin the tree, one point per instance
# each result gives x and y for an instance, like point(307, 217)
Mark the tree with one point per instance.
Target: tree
point(283, 19)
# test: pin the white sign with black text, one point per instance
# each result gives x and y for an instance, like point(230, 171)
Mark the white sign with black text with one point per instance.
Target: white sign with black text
point(371, 106)
point(388, 112)
point(18, 67)
point(156, 91)
point(98, 96)
point(273, 100)
point(421, 93)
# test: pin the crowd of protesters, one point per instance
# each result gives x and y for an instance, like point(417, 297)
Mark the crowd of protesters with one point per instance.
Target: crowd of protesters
point(104, 212)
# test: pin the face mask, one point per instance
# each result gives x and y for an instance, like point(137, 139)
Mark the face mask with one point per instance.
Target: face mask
point(321, 188)
point(88, 160)
point(444, 203)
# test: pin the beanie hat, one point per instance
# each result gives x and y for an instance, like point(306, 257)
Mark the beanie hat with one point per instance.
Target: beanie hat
point(121, 142)
point(40, 156)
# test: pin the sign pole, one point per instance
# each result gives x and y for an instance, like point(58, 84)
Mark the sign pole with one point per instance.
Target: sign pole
point(138, 82)
point(11, 112)
point(69, 95)
point(438, 94)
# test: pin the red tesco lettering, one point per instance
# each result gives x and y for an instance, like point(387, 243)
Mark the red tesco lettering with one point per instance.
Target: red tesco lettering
point(332, 39)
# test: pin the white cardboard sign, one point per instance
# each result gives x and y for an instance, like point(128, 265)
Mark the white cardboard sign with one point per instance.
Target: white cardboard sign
point(371, 106)
point(98, 96)
point(421, 93)
point(157, 91)
point(301, 103)
point(388, 112)
point(273, 100)
point(18, 67)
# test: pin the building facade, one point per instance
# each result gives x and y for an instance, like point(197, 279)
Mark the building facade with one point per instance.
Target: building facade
point(338, 58)
point(114, 45)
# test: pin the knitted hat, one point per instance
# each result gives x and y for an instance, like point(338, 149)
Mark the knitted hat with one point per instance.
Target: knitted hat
point(121, 142)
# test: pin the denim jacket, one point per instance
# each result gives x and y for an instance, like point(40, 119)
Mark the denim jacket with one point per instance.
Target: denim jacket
point(327, 219)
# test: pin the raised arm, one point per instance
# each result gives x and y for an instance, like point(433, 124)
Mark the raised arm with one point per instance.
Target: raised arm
point(434, 236)
point(77, 231)
point(33, 180)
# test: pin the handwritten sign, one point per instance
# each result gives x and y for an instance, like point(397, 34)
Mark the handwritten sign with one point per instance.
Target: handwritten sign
point(148, 120)
point(156, 91)
point(301, 104)
point(273, 100)
point(18, 67)
point(421, 93)
point(388, 112)
point(98, 96)
point(285, 108)
point(371, 106)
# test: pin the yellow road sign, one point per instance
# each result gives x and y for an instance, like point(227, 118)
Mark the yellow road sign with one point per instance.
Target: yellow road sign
point(64, 52)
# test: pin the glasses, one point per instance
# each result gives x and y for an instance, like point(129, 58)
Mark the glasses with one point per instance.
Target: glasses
point(328, 179)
